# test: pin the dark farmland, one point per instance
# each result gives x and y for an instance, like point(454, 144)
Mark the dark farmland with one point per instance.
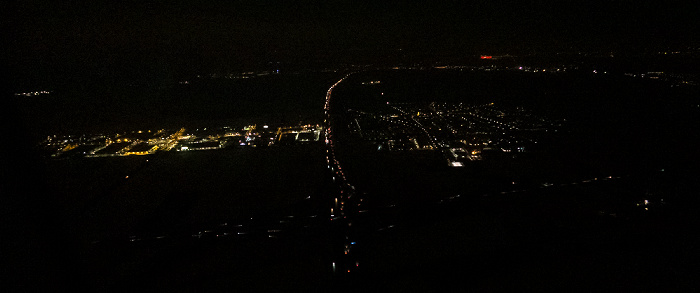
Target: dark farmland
point(585, 237)
point(179, 191)
point(193, 220)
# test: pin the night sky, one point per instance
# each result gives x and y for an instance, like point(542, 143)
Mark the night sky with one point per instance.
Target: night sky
point(49, 41)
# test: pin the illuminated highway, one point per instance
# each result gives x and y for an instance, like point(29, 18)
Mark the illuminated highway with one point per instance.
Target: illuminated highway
point(345, 201)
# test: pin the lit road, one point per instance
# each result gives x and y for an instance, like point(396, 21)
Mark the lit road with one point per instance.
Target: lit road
point(344, 202)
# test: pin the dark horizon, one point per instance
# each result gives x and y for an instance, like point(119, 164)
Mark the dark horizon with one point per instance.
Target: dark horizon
point(51, 41)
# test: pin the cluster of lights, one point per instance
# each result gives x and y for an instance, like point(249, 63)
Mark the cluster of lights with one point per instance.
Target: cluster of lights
point(124, 144)
point(29, 94)
point(430, 124)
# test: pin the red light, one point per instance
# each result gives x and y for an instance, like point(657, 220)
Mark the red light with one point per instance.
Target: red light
point(486, 57)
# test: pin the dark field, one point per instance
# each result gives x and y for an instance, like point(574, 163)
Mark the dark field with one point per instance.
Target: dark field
point(581, 238)
point(177, 192)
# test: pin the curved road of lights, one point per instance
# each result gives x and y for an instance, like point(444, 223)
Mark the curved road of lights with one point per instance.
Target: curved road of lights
point(340, 214)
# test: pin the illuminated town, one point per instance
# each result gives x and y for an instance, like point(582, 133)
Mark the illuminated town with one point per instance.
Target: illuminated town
point(148, 142)
point(461, 132)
